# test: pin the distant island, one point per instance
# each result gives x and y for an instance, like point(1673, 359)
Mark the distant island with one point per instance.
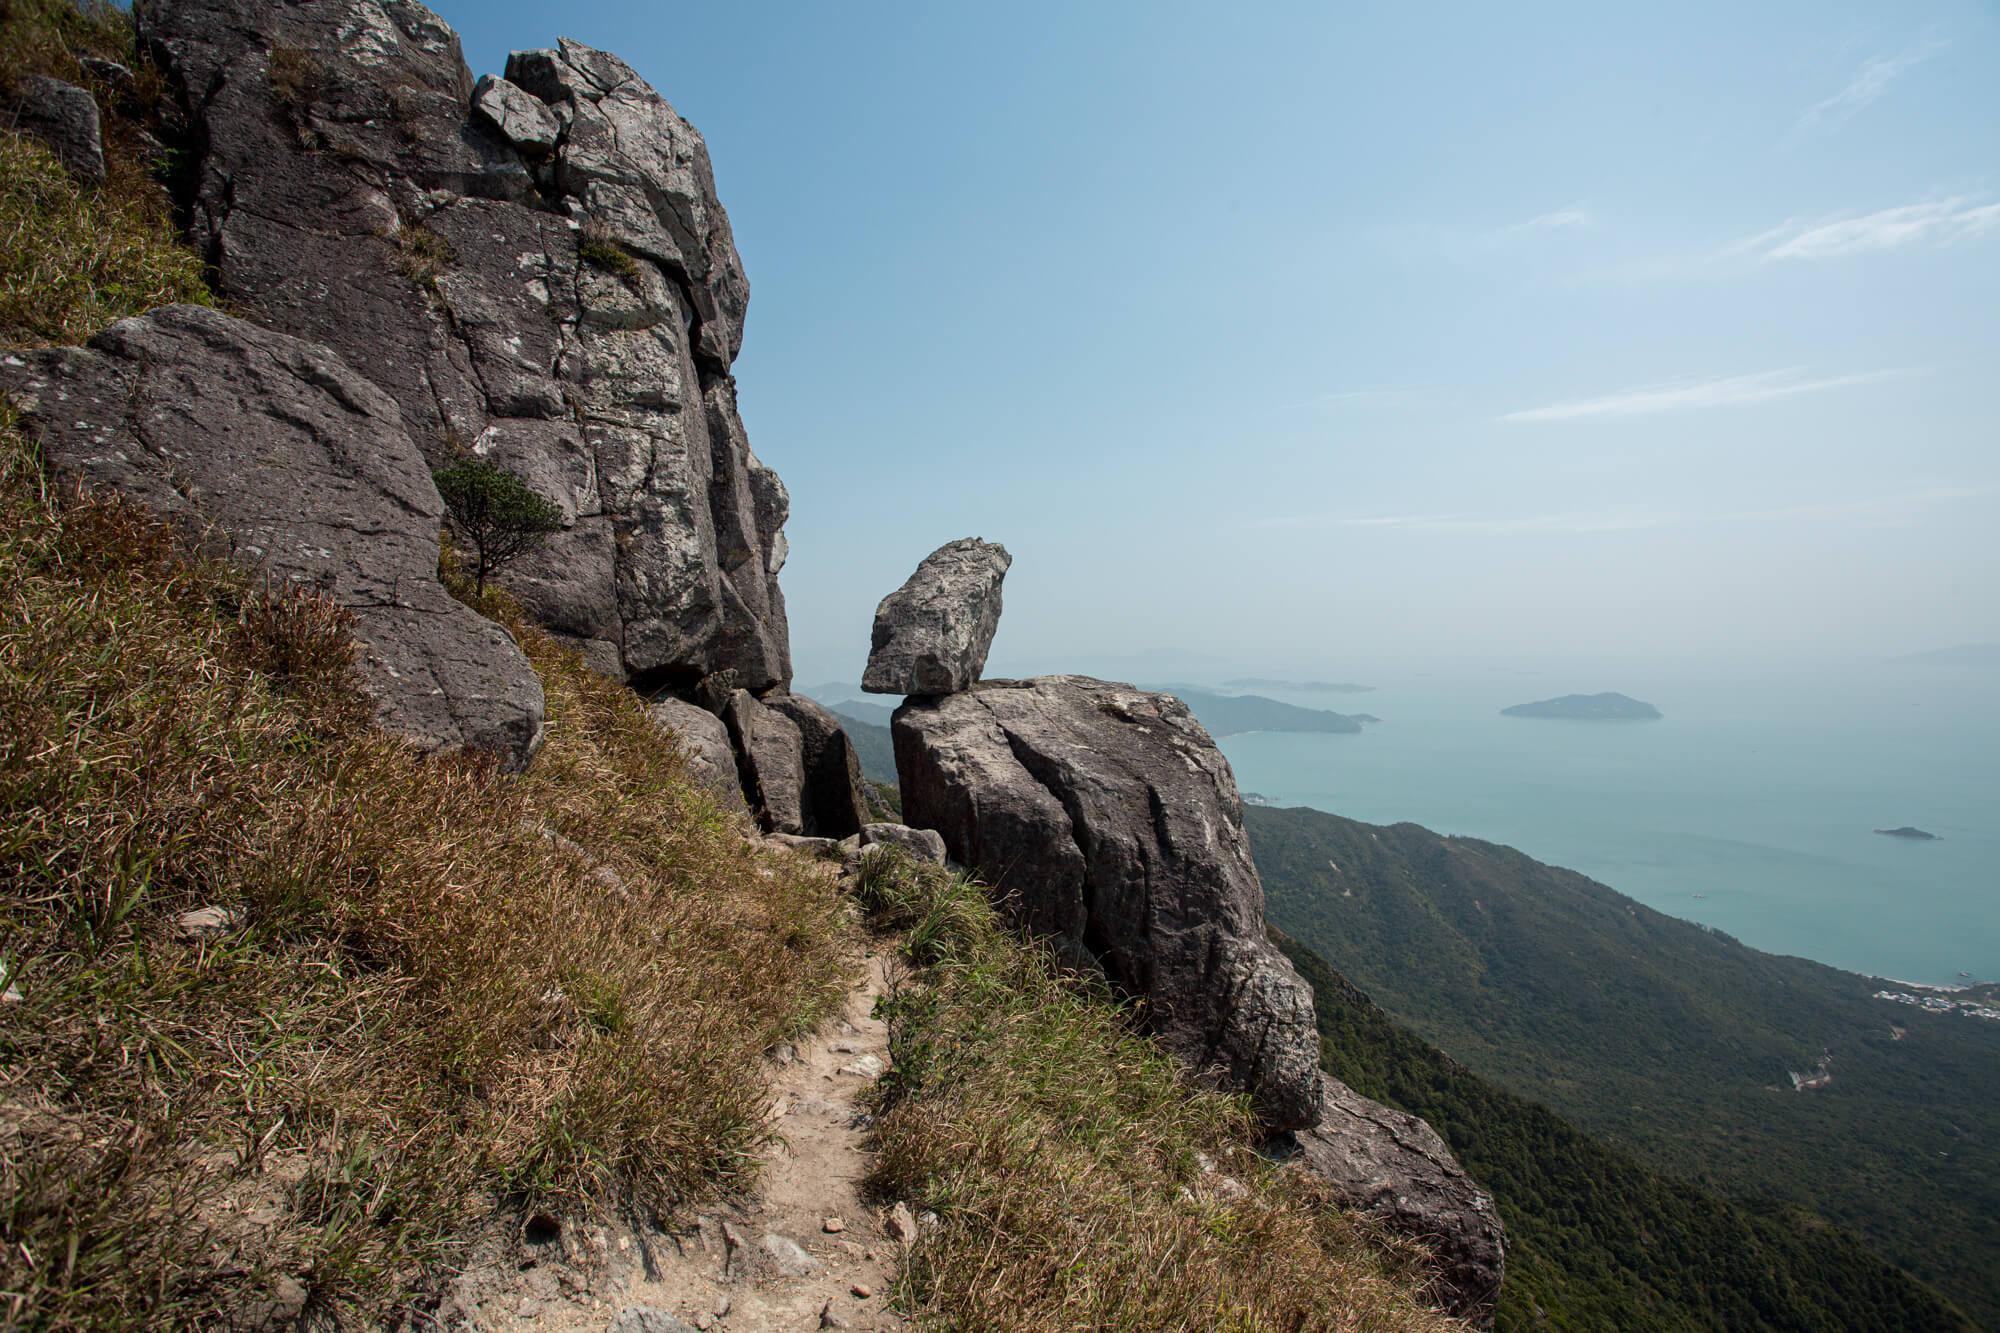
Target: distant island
point(1906, 831)
point(1257, 798)
point(1315, 686)
point(1591, 707)
point(1234, 714)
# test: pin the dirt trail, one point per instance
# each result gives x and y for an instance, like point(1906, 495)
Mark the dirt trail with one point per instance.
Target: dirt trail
point(805, 1252)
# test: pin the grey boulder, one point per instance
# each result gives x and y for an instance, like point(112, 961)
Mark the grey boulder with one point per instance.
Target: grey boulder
point(1106, 818)
point(64, 117)
point(272, 453)
point(521, 120)
point(834, 803)
point(922, 844)
point(770, 759)
point(1390, 1166)
point(705, 740)
point(932, 634)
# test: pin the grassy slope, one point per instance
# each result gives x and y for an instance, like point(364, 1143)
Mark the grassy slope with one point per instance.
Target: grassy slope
point(1595, 1240)
point(1076, 1170)
point(1662, 1037)
point(406, 1016)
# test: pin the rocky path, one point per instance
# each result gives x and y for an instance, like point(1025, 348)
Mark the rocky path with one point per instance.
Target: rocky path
point(805, 1252)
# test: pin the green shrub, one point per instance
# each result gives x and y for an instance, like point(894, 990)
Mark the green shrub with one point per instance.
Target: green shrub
point(496, 512)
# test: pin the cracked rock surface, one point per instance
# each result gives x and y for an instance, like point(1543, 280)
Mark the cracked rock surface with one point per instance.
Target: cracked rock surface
point(270, 452)
point(1109, 820)
point(534, 268)
point(1391, 1166)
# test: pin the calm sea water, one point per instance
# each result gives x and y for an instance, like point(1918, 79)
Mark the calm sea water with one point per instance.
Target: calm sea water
point(1749, 808)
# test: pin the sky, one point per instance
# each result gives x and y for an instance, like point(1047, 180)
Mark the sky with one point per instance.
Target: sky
point(1327, 339)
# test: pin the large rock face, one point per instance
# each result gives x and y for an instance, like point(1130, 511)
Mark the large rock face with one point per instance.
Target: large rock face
point(932, 634)
point(535, 269)
point(1109, 820)
point(272, 453)
point(1393, 1167)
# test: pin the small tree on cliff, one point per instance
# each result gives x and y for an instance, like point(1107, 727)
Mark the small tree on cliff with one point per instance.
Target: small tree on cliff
point(494, 511)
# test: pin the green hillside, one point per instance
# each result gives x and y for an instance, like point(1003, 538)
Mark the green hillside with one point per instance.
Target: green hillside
point(1594, 1239)
point(1665, 1038)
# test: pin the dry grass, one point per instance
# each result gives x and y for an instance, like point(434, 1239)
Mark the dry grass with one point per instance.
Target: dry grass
point(448, 988)
point(75, 258)
point(1080, 1180)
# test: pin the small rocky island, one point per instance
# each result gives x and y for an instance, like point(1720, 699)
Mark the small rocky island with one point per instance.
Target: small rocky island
point(1590, 707)
point(1914, 834)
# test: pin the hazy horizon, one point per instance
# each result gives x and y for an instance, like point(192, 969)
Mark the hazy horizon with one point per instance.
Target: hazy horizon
point(1531, 337)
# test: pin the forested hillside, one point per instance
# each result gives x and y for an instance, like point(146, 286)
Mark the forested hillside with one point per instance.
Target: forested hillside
point(1595, 1239)
point(1665, 1038)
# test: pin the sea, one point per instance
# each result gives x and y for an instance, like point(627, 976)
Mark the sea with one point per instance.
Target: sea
point(1750, 806)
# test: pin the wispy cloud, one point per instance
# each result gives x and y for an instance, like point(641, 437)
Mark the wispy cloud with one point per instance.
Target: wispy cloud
point(1877, 511)
point(1560, 219)
point(1868, 84)
point(1938, 223)
point(1934, 223)
point(1686, 395)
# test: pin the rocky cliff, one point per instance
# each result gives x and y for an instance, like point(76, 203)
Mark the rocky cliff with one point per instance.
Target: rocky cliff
point(535, 269)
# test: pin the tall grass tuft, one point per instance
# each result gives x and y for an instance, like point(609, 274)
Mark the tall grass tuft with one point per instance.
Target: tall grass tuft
point(435, 990)
point(1079, 1179)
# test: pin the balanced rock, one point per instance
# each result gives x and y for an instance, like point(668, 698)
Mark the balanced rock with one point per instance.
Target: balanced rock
point(64, 117)
point(534, 268)
point(705, 740)
point(1392, 1167)
point(1106, 818)
point(932, 634)
point(272, 453)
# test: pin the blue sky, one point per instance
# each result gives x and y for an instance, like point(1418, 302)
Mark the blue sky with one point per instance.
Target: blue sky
point(1335, 339)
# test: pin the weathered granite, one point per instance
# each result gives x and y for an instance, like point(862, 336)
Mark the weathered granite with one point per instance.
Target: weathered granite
point(1106, 818)
point(271, 452)
point(932, 634)
point(835, 804)
point(566, 302)
point(64, 117)
point(1391, 1166)
point(770, 760)
point(921, 843)
point(704, 738)
point(517, 116)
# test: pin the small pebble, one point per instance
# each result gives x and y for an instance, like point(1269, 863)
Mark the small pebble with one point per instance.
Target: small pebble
point(861, 1289)
point(833, 1226)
